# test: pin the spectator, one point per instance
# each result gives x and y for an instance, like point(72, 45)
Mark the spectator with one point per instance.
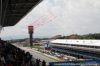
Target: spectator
point(43, 63)
point(13, 56)
point(37, 62)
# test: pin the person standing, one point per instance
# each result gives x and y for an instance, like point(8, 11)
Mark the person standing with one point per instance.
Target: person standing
point(43, 63)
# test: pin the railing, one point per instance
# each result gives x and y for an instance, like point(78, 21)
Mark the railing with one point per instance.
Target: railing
point(77, 63)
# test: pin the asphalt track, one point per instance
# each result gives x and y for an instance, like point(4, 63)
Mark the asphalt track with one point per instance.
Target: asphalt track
point(38, 55)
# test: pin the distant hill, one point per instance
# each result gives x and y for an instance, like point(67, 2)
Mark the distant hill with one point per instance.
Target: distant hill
point(76, 36)
point(57, 37)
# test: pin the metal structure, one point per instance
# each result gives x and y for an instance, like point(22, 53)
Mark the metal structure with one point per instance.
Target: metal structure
point(11, 11)
point(77, 63)
point(31, 31)
point(87, 49)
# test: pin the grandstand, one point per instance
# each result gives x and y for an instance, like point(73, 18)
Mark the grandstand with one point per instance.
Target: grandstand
point(13, 56)
point(11, 12)
point(82, 43)
point(89, 49)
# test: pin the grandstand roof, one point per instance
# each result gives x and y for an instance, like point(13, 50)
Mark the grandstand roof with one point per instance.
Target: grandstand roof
point(77, 42)
point(11, 11)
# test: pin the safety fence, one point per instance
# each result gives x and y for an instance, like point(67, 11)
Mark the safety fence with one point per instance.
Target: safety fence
point(77, 63)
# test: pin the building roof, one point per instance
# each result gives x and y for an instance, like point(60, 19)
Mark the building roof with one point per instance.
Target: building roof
point(11, 11)
point(77, 42)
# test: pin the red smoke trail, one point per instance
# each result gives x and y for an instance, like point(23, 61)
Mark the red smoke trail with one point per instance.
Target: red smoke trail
point(43, 20)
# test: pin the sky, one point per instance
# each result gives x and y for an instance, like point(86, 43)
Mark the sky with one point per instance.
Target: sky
point(58, 17)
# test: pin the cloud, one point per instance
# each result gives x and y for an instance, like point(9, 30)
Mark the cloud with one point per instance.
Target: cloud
point(69, 16)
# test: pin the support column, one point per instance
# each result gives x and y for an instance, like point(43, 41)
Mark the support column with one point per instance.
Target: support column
point(31, 39)
point(30, 29)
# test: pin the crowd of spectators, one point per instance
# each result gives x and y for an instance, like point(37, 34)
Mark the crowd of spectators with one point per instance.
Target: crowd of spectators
point(14, 56)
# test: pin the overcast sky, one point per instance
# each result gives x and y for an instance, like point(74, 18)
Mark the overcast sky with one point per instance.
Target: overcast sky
point(54, 17)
